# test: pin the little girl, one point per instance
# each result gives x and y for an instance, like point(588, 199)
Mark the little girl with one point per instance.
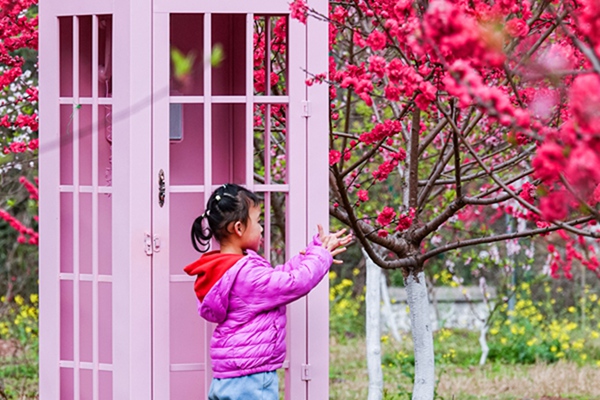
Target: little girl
point(245, 296)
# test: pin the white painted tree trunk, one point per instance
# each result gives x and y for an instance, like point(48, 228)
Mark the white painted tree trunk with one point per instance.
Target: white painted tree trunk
point(483, 343)
point(416, 291)
point(387, 310)
point(373, 329)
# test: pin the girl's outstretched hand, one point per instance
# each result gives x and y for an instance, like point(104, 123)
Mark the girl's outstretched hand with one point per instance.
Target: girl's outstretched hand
point(335, 243)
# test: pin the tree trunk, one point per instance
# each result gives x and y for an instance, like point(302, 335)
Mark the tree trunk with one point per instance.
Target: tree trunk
point(483, 343)
point(387, 309)
point(373, 329)
point(416, 291)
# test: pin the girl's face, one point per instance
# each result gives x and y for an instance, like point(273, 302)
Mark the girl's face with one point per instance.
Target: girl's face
point(252, 235)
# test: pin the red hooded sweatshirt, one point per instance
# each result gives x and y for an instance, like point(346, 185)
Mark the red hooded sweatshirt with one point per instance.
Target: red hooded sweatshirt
point(209, 269)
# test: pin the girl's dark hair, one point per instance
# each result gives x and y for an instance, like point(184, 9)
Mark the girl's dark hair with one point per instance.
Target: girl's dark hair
point(229, 203)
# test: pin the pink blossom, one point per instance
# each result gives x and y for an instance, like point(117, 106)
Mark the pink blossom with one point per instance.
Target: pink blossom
point(376, 40)
point(517, 27)
point(377, 65)
point(334, 156)
point(549, 162)
point(299, 10)
point(554, 206)
point(585, 102)
point(363, 195)
point(386, 216)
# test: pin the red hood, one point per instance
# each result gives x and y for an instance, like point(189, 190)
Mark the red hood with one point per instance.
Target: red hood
point(209, 269)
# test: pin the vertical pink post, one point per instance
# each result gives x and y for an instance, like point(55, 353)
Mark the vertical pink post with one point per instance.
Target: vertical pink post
point(318, 196)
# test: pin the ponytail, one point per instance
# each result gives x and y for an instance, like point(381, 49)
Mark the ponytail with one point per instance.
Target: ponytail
point(200, 235)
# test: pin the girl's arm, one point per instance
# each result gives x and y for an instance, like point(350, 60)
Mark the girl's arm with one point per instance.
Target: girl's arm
point(264, 288)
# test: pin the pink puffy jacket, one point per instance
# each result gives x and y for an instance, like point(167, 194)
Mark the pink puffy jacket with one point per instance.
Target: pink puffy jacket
point(248, 304)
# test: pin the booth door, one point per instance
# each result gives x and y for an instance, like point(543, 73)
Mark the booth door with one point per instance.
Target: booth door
point(228, 93)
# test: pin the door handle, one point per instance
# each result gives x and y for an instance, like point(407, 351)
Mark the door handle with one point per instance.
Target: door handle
point(161, 188)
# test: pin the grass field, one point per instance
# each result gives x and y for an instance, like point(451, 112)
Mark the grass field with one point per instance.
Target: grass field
point(494, 381)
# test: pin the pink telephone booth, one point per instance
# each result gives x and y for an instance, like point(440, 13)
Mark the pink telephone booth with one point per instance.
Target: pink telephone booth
point(138, 127)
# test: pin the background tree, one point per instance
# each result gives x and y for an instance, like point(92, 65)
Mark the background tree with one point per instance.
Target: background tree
point(448, 112)
point(18, 147)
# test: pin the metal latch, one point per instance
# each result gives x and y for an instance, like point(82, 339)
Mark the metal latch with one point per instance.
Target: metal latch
point(306, 108)
point(306, 372)
point(147, 244)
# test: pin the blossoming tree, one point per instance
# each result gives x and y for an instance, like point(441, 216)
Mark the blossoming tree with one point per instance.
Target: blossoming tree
point(18, 142)
point(447, 115)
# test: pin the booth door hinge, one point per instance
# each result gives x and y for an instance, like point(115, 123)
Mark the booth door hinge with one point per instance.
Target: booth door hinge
point(151, 244)
point(306, 108)
point(306, 372)
point(156, 243)
point(147, 244)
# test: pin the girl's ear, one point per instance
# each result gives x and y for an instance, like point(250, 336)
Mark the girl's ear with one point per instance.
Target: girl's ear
point(238, 228)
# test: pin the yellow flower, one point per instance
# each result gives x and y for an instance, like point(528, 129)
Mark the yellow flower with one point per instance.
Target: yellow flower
point(571, 309)
point(494, 331)
point(34, 298)
point(355, 271)
point(583, 356)
point(578, 344)
point(531, 342)
point(553, 349)
point(385, 339)
point(503, 340)
point(332, 275)
point(560, 354)
point(19, 300)
point(595, 335)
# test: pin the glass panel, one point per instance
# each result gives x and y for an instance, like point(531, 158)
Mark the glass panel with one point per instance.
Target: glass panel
point(105, 55)
point(259, 154)
point(189, 343)
point(104, 145)
point(85, 144)
point(187, 33)
point(66, 144)
point(187, 154)
point(228, 143)
point(271, 135)
point(86, 384)
point(278, 56)
point(183, 383)
point(85, 233)
point(105, 385)
point(104, 234)
point(85, 56)
point(66, 320)
point(185, 208)
point(66, 383)
point(65, 26)
point(228, 73)
point(277, 228)
point(105, 323)
point(85, 321)
point(278, 142)
point(270, 55)
point(66, 232)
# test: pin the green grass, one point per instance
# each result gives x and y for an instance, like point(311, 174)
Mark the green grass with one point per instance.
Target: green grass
point(458, 373)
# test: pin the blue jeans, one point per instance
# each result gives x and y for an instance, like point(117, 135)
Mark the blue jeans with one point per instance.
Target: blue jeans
point(261, 386)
